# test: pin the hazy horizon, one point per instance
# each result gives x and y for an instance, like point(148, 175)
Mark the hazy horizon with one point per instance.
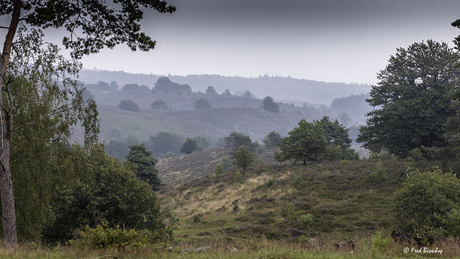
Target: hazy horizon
point(322, 40)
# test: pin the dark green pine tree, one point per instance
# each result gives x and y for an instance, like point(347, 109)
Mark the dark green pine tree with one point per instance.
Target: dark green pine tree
point(145, 165)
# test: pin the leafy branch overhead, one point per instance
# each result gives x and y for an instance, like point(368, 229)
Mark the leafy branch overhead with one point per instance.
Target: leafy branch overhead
point(93, 25)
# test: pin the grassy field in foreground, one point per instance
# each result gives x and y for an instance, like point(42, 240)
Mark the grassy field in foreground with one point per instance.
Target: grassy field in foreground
point(256, 248)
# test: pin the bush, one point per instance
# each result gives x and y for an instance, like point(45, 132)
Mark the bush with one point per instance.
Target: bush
point(219, 170)
point(159, 105)
point(428, 200)
point(379, 174)
point(416, 154)
point(236, 207)
point(290, 208)
point(102, 236)
point(129, 87)
point(306, 220)
point(201, 104)
point(379, 243)
point(270, 182)
point(196, 218)
point(128, 105)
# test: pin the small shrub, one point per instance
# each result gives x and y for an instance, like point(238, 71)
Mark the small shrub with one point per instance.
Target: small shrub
point(343, 162)
point(297, 180)
point(290, 208)
point(302, 239)
point(104, 237)
point(236, 207)
point(306, 220)
point(196, 218)
point(219, 170)
point(270, 182)
point(379, 174)
point(238, 178)
point(379, 243)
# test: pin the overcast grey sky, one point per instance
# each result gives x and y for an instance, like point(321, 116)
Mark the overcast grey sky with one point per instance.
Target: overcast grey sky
point(325, 40)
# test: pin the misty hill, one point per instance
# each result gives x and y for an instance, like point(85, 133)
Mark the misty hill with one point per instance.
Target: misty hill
point(278, 87)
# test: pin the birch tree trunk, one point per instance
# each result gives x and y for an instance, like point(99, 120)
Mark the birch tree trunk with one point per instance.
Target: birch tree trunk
point(6, 123)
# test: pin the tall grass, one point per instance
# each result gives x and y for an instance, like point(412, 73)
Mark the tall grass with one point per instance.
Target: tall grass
point(225, 248)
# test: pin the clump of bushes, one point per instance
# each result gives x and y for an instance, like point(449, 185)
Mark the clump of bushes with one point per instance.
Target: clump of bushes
point(102, 236)
point(238, 178)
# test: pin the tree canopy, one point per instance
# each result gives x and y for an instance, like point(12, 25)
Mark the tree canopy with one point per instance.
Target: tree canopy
point(270, 105)
point(165, 142)
point(189, 146)
point(412, 100)
point(145, 165)
point(307, 142)
point(243, 157)
point(165, 85)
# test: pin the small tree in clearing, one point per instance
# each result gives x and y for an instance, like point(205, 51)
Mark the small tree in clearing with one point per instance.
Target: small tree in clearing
point(243, 158)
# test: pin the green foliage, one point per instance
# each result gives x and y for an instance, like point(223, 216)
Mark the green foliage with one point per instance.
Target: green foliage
point(201, 104)
point(302, 239)
point(306, 220)
point(165, 85)
point(236, 207)
point(159, 105)
point(270, 182)
point(189, 146)
point(426, 199)
point(219, 170)
point(236, 139)
point(45, 102)
point(164, 142)
point(113, 25)
point(270, 105)
point(382, 155)
point(108, 191)
point(336, 135)
point(196, 218)
point(343, 162)
point(290, 208)
point(412, 100)
point(117, 148)
point(272, 139)
point(305, 142)
point(238, 178)
point(416, 154)
point(379, 174)
point(243, 158)
point(379, 243)
point(103, 236)
point(145, 164)
point(128, 105)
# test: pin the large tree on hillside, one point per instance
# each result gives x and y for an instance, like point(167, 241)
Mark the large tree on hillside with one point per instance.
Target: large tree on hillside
point(412, 99)
point(145, 165)
point(92, 25)
point(307, 142)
